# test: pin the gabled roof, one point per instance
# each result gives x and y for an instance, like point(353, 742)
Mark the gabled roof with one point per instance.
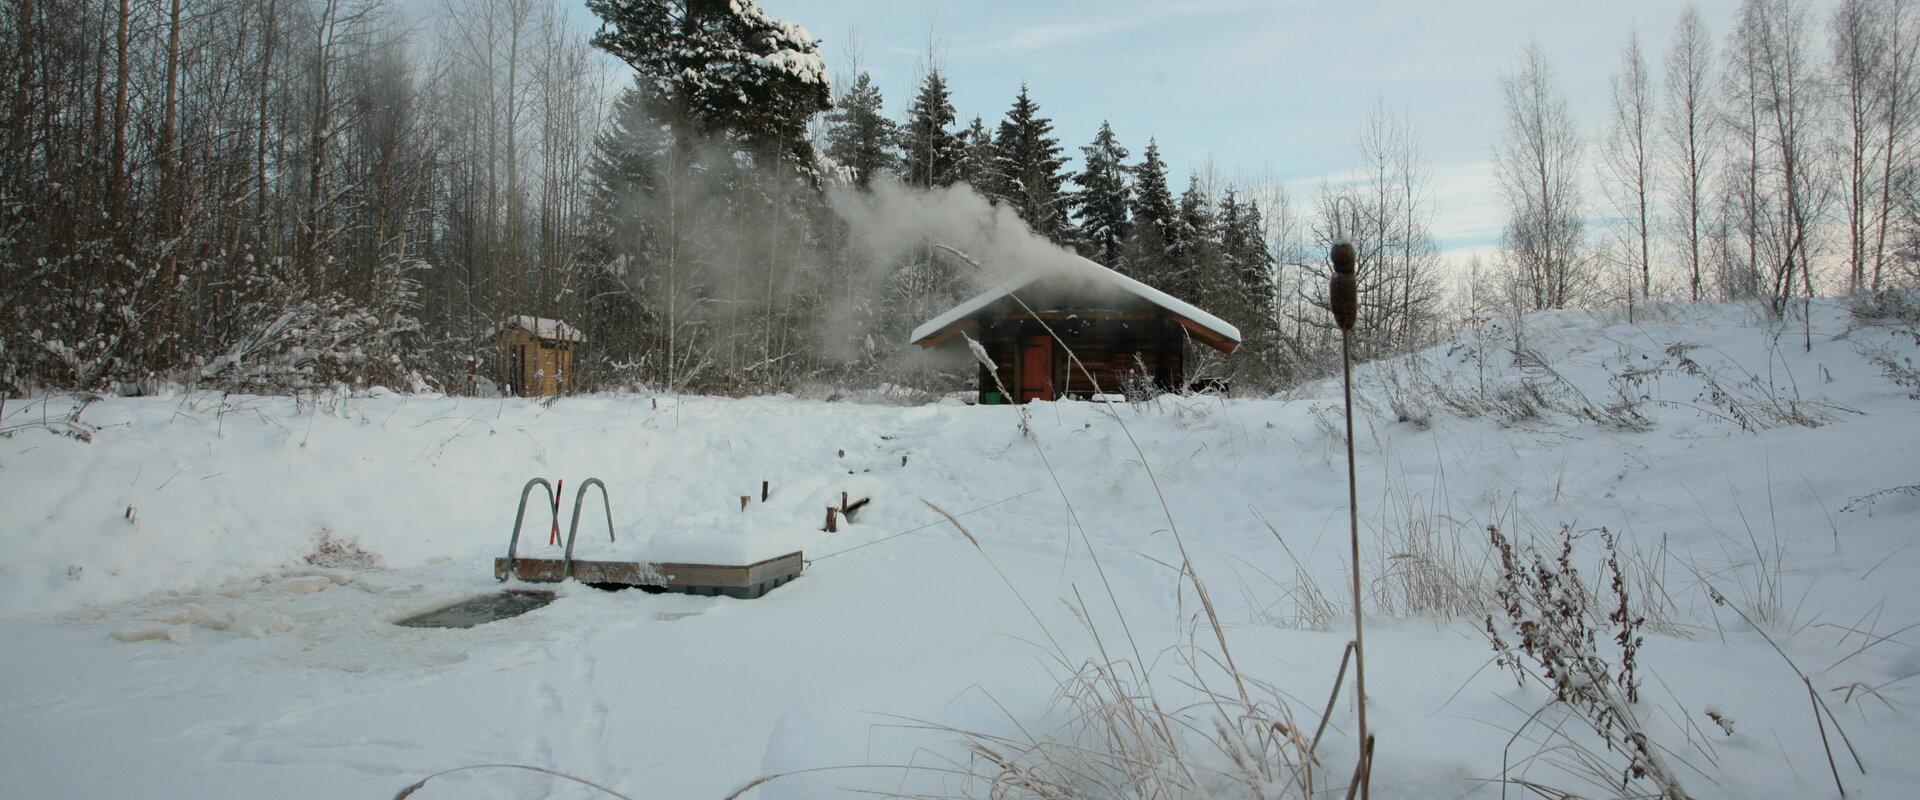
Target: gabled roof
point(545, 328)
point(1204, 326)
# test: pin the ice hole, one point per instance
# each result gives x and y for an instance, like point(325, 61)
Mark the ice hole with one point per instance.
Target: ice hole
point(480, 610)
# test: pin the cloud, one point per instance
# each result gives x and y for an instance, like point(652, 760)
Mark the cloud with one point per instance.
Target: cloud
point(1056, 34)
point(1112, 18)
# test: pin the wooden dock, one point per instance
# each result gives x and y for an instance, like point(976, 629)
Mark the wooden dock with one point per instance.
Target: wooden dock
point(745, 582)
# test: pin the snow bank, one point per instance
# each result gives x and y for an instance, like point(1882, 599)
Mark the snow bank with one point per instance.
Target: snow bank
point(720, 538)
point(159, 603)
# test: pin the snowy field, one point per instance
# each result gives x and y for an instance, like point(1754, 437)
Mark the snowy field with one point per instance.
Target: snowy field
point(198, 601)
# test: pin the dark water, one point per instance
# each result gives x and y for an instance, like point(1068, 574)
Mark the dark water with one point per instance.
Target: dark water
point(480, 610)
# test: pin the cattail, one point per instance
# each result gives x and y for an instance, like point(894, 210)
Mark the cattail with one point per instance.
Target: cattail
point(1343, 292)
point(1343, 299)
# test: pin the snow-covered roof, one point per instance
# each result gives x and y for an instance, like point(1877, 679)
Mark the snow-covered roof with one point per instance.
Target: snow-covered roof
point(1188, 314)
point(545, 328)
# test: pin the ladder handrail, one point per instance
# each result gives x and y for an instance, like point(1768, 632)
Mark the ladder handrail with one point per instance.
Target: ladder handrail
point(566, 567)
point(520, 516)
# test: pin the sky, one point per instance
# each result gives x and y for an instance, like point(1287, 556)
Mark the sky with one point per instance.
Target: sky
point(1263, 91)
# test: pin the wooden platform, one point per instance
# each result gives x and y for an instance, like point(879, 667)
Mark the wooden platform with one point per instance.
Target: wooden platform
point(747, 582)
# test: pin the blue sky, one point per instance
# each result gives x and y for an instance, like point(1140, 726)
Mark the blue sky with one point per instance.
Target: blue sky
point(1266, 91)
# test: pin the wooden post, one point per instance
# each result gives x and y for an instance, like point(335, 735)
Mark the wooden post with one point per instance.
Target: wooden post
point(763, 491)
point(743, 502)
point(832, 523)
point(843, 502)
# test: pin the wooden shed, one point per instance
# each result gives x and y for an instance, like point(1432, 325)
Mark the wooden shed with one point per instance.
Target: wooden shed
point(536, 355)
point(1122, 330)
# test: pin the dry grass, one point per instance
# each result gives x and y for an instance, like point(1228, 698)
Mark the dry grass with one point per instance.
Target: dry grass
point(1112, 737)
point(1427, 564)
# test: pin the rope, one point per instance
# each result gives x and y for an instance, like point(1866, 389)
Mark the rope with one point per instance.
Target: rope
point(941, 521)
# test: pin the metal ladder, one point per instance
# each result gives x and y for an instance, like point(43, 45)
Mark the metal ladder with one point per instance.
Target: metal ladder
point(573, 528)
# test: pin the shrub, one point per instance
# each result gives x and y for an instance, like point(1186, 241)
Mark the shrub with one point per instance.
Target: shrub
point(1549, 632)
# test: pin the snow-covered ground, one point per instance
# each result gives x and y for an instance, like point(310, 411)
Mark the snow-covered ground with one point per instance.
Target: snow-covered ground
point(198, 601)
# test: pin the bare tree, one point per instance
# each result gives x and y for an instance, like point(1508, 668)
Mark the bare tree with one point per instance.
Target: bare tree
point(1627, 167)
point(1773, 51)
point(1900, 118)
point(1859, 54)
point(1689, 122)
point(1386, 214)
point(1745, 200)
point(122, 74)
point(1537, 159)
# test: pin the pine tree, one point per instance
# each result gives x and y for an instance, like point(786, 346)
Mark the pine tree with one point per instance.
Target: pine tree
point(860, 137)
point(1102, 199)
point(1028, 170)
point(930, 148)
point(976, 153)
point(723, 68)
point(1155, 218)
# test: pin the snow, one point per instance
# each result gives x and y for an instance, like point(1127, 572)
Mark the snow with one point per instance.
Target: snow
point(235, 640)
point(790, 520)
point(1077, 267)
point(546, 328)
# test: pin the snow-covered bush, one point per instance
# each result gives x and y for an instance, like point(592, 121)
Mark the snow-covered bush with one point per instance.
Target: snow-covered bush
point(1897, 315)
point(313, 342)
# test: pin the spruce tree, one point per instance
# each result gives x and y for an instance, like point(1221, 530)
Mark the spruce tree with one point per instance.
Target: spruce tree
point(860, 137)
point(976, 154)
point(1249, 278)
point(1221, 291)
point(929, 146)
point(625, 230)
point(1155, 218)
point(1028, 170)
point(1253, 266)
point(1195, 243)
point(1101, 202)
point(1242, 286)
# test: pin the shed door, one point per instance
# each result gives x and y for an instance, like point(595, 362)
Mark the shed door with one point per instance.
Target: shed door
point(1036, 369)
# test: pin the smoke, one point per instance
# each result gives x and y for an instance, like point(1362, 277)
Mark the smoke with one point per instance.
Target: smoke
point(744, 285)
point(892, 222)
point(894, 250)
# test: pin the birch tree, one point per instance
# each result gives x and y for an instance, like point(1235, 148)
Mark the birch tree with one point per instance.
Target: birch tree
point(1627, 168)
point(1537, 161)
point(1689, 121)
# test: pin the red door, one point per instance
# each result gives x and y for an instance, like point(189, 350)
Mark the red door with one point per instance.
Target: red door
point(1036, 369)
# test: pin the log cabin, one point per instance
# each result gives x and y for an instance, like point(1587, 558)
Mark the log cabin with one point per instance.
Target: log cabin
point(1124, 334)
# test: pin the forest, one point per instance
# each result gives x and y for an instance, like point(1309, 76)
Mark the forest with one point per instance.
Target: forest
point(273, 196)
